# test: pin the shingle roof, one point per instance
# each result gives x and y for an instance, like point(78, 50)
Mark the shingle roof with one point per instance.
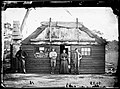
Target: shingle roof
point(68, 25)
point(33, 35)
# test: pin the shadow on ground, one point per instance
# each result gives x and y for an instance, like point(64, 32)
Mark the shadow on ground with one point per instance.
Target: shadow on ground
point(18, 80)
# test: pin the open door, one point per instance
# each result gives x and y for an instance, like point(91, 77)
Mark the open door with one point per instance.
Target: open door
point(67, 48)
point(62, 47)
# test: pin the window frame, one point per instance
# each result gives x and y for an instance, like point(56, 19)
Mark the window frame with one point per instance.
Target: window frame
point(83, 54)
point(38, 52)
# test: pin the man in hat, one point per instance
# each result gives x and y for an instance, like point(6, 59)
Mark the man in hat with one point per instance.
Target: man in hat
point(53, 56)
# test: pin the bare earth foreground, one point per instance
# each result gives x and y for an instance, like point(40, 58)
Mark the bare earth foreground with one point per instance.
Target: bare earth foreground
point(18, 80)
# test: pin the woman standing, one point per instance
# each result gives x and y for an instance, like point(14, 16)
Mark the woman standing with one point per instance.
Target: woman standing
point(64, 63)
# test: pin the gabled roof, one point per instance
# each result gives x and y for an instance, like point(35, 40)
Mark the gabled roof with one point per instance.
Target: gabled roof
point(33, 35)
point(68, 25)
point(91, 34)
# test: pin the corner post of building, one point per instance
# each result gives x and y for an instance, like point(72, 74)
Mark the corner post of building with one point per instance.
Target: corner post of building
point(11, 56)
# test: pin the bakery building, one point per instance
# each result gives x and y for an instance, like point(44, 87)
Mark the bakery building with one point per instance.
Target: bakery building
point(68, 36)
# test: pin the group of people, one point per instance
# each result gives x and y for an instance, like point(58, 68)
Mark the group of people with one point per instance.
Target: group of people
point(65, 64)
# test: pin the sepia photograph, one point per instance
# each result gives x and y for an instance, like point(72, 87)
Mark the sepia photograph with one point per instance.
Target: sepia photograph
point(59, 47)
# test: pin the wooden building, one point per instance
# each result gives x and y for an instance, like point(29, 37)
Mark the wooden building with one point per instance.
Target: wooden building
point(60, 35)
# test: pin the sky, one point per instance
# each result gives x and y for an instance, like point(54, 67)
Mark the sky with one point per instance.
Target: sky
point(94, 18)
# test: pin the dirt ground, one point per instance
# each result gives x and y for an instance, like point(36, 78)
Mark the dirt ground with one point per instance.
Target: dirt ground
point(18, 80)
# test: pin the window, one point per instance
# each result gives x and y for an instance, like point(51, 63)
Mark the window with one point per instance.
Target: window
point(41, 52)
point(41, 49)
point(85, 51)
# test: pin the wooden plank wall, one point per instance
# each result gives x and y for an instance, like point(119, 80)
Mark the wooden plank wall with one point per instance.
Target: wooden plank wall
point(95, 63)
point(35, 65)
point(39, 65)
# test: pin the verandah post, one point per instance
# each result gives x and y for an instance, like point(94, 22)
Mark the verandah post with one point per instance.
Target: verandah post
point(49, 25)
point(77, 29)
point(76, 23)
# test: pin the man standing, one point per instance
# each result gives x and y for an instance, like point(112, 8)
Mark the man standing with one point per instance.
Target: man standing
point(21, 56)
point(77, 58)
point(53, 56)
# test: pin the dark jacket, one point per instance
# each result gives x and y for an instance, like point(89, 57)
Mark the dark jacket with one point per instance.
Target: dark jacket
point(21, 54)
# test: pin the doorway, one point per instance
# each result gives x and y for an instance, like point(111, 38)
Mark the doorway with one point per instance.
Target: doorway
point(67, 48)
point(62, 47)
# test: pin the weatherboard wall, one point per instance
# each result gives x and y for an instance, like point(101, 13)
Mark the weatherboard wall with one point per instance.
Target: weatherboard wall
point(95, 63)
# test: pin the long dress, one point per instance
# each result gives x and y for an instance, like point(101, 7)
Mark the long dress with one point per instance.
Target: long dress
point(64, 64)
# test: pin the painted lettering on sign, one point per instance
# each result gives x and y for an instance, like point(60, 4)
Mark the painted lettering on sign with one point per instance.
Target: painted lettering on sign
point(41, 55)
point(41, 52)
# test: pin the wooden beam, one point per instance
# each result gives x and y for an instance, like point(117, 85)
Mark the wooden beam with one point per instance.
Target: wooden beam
point(76, 23)
point(50, 29)
point(24, 20)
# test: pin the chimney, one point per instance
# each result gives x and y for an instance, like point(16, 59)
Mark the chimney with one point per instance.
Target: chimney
point(16, 34)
